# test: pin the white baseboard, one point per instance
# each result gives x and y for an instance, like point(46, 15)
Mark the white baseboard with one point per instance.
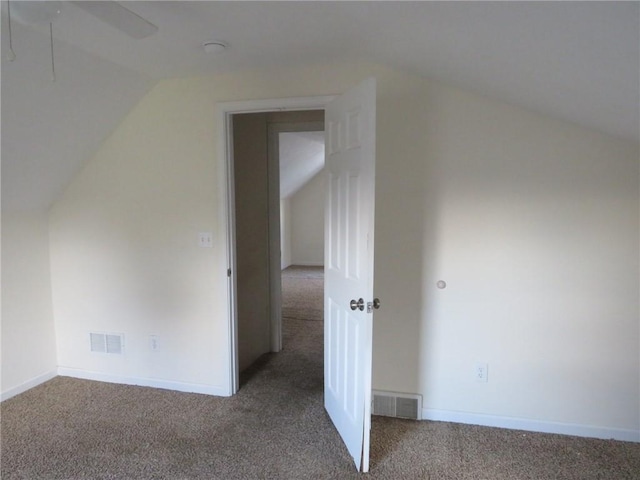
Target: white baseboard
point(145, 382)
point(23, 387)
point(531, 425)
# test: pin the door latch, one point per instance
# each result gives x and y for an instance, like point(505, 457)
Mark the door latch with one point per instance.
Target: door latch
point(375, 305)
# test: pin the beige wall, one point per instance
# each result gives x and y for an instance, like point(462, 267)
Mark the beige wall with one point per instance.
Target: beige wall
point(285, 233)
point(125, 255)
point(307, 223)
point(28, 338)
point(250, 156)
point(532, 222)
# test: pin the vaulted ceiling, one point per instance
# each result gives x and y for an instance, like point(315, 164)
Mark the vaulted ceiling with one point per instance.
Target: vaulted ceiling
point(301, 158)
point(576, 61)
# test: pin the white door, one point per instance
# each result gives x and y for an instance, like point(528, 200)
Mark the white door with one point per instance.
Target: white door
point(350, 125)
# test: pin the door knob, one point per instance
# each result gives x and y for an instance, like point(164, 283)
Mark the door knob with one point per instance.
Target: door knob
point(357, 304)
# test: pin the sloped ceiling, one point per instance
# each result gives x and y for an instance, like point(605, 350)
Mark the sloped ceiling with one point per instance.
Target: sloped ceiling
point(301, 158)
point(50, 129)
point(576, 61)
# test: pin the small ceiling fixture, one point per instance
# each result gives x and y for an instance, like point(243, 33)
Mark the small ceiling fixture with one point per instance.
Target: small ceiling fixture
point(214, 46)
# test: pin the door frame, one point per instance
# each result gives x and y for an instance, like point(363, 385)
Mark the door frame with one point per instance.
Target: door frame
point(275, 240)
point(225, 112)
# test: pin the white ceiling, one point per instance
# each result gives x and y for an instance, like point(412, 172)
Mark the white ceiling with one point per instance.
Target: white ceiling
point(576, 61)
point(301, 158)
point(50, 129)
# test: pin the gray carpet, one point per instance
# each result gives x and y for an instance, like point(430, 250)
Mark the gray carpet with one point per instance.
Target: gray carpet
point(275, 428)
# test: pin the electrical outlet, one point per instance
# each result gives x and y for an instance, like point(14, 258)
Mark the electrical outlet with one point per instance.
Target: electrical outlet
point(153, 342)
point(481, 372)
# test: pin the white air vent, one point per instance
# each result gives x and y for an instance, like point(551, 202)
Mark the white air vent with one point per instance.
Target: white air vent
point(106, 342)
point(391, 404)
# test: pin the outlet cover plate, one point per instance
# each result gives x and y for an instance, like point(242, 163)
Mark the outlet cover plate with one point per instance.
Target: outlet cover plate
point(481, 372)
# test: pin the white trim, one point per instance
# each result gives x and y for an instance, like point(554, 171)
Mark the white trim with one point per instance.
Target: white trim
point(28, 385)
point(228, 239)
point(531, 425)
point(275, 242)
point(144, 382)
point(274, 105)
point(224, 111)
point(307, 264)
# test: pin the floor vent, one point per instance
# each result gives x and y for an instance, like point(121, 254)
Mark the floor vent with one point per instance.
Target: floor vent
point(401, 405)
point(107, 342)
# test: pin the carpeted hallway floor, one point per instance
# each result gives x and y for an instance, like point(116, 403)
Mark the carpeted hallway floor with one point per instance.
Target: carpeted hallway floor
point(274, 428)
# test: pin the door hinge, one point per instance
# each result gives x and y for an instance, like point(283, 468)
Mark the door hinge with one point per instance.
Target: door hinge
point(228, 272)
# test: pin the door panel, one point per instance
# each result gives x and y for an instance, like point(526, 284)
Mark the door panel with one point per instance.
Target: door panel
point(350, 163)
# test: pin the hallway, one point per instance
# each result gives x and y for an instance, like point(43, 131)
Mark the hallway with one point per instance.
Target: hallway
point(302, 332)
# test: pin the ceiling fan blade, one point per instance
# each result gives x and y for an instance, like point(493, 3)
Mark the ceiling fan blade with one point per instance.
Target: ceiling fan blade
point(119, 17)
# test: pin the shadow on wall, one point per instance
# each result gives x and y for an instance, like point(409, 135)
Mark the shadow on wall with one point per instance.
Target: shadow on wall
point(407, 219)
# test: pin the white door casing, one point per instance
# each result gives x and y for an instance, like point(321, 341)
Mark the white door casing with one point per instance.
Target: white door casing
point(350, 124)
point(226, 227)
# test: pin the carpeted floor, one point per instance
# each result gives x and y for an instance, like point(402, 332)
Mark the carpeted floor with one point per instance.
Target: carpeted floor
point(274, 428)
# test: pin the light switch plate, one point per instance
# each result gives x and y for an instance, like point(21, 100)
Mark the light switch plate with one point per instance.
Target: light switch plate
point(205, 239)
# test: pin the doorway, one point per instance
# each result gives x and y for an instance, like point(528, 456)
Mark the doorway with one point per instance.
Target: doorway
point(349, 237)
point(278, 159)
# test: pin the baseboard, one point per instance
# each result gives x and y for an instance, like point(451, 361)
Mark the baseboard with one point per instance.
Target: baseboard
point(531, 425)
point(23, 387)
point(307, 264)
point(144, 382)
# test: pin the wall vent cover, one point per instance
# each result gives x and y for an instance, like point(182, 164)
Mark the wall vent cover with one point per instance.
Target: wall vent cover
point(106, 342)
point(401, 405)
